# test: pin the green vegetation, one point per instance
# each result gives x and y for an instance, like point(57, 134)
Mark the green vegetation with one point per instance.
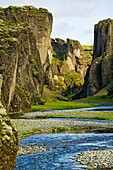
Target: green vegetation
point(102, 98)
point(88, 54)
point(50, 96)
point(59, 55)
point(73, 79)
point(62, 105)
point(88, 50)
point(58, 129)
point(87, 47)
point(79, 115)
point(28, 132)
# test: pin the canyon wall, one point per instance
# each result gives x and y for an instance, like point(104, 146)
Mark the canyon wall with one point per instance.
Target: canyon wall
point(69, 65)
point(25, 53)
point(8, 139)
point(101, 71)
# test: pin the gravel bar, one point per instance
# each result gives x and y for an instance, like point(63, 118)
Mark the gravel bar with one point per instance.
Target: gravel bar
point(46, 126)
point(100, 159)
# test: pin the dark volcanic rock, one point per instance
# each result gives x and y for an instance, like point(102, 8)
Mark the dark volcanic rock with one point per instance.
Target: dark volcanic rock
point(24, 47)
point(101, 71)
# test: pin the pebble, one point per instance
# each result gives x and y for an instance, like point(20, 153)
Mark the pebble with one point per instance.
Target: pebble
point(97, 159)
point(25, 149)
point(94, 159)
point(45, 125)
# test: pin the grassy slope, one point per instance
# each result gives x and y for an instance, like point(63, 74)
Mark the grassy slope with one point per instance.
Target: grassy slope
point(88, 47)
point(54, 102)
point(101, 98)
point(49, 95)
point(62, 105)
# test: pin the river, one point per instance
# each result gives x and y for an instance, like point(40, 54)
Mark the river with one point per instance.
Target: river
point(62, 149)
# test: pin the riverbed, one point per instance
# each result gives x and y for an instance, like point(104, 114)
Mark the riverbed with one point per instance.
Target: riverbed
point(63, 151)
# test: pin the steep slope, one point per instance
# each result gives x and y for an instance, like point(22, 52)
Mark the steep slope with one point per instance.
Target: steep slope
point(24, 47)
point(40, 21)
point(101, 72)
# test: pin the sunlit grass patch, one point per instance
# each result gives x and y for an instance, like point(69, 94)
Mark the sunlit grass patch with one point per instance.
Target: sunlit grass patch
point(62, 105)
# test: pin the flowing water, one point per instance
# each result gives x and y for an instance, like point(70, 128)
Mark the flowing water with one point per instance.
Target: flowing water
point(64, 147)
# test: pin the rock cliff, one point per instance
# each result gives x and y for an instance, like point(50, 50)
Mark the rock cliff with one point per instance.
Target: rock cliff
point(69, 64)
point(101, 71)
point(25, 52)
point(8, 139)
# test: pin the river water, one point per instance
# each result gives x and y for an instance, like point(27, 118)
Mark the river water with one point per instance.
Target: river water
point(64, 147)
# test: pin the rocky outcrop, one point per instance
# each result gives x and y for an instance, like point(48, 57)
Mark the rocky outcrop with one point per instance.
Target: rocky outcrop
point(75, 58)
point(69, 58)
point(101, 71)
point(25, 51)
point(8, 140)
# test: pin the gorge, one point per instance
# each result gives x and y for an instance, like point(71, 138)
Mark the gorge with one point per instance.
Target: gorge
point(30, 59)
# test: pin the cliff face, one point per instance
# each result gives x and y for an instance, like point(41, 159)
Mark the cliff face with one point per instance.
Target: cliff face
point(8, 139)
point(40, 21)
point(101, 71)
point(24, 47)
point(69, 58)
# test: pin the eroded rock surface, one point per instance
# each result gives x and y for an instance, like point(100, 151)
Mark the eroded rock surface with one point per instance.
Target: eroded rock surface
point(69, 58)
point(25, 53)
point(101, 71)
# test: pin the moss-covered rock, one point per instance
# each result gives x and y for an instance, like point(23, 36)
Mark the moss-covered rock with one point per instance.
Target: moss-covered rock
point(8, 139)
point(101, 72)
point(69, 65)
point(20, 60)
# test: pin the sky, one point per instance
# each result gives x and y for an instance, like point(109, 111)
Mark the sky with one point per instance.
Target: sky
point(74, 19)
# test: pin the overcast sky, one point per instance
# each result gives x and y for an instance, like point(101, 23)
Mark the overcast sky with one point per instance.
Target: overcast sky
point(73, 19)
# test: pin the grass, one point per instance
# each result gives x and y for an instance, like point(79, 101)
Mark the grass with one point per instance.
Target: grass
point(100, 98)
point(49, 95)
point(58, 129)
point(28, 133)
point(62, 105)
point(80, 115)
point(88, 47)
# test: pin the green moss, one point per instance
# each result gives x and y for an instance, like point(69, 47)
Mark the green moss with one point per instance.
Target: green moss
point(59, 55)
point(73, 79)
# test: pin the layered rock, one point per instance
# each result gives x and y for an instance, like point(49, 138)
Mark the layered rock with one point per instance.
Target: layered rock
point(69, 58)
point(101, 71)
point(25, 51)
point(8, 140)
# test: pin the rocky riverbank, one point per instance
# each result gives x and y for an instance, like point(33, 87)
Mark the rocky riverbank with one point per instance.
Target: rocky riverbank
point(102, 159)
point(28, 126)
point(94, 159)
point(24, 150)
